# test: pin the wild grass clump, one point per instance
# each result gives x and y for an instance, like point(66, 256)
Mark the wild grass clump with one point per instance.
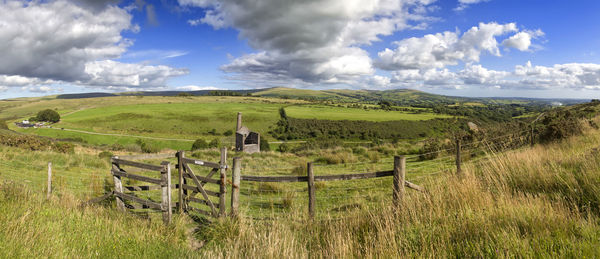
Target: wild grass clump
point(32, 226)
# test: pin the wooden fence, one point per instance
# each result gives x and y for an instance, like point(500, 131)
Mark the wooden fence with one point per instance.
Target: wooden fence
point(398, 173)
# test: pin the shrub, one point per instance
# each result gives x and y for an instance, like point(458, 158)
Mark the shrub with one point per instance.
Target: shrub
point(149, 148)
point(63, 147)
point(132, 148)
point(228, 133)
point(105, 155)
point(264, 145)
point(430, 149)
point(214, 143)
point(116, 147)
point(212, 132)
point(199, 144)
point(283, 148)
point(3, 125)
point(48, 115)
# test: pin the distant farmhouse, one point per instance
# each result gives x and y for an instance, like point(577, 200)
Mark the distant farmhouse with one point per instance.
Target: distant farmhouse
point(27, 124)
point(246, 140)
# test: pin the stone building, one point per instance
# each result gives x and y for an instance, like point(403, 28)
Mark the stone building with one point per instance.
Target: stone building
point(246, 140)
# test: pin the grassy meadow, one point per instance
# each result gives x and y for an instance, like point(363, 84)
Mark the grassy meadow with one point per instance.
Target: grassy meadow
point(175, 122)
point(532, 202)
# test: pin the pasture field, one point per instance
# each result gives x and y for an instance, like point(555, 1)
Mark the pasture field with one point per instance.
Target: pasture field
point(177, 121)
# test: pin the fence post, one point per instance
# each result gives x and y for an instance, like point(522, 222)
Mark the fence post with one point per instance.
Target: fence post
point(165, 177)
point(180, 155)
point(235, 185)
point(458, 159)
point(399, 178)
point(311, 190)
point(49, 180)
point(118, 185)
point(223, 171)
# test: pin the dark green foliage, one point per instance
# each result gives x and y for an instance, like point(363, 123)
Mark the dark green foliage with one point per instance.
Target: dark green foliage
point(105, 155)
point(212, 132)
point(214, 143)
point(48, 115)
point(319, 143)
point(283, 148)
point(562, 125)
point(184, 94)
point(63, 147)
point(228, 133)
point(3, 125)
point(292, 128)
point(224, 93)
point(199, 144)
point(264, 145)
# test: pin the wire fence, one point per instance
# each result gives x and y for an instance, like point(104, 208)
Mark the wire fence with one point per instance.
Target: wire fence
point(276, 199)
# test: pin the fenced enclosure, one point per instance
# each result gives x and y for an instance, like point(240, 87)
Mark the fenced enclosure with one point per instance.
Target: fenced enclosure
point(251, 187)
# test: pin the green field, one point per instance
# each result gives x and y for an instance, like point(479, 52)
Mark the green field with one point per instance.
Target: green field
point(176, 121)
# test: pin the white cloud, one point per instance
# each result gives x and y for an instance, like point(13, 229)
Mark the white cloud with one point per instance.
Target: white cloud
point(54, 40)
point(522, 40)
point(575, 76)
point(309, 41)
point(110, 73)
point(45, 43)
point(442, 49)
point(196, 88)
point(464, 4)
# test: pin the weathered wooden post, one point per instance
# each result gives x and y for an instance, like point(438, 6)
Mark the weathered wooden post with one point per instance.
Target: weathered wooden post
point(235, 185)
point(118, 184)
point(49, 180)
point(180, 155)
point(458, 159)
point(165, 184)
point(399, 179)
point(311, 190)
point(222, 190)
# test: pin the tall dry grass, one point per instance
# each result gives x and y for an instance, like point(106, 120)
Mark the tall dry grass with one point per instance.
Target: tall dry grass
point(535, 202)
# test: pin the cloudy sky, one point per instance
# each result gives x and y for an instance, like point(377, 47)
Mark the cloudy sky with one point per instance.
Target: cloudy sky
point(527, 48)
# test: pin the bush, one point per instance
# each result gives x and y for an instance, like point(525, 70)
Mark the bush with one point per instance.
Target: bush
point(214, 143)
point(105, 155)
point(63, 147)
point(149, 148)
point(3, 125)
point(228, 133)
point(116, 147)
point(48, 115)
point(430, 149)
point(199, 144)
point(283, 148)
point(264, 145)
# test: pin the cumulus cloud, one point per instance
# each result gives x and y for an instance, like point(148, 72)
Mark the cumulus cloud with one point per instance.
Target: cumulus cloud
point(575, 76)
point(522, 40)
point(309, 41)
point(108, 73)
point(442, 49)
point(59, 41)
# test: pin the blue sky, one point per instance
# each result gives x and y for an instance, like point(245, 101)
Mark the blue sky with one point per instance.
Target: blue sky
point(527, 48)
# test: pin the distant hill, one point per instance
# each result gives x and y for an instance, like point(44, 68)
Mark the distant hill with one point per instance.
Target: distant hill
point(149, 93)
point(407, 97)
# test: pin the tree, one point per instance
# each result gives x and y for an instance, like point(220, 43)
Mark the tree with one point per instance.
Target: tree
point(48, 115)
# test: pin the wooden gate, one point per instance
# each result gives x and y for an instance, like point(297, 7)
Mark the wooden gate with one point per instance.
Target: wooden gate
point(207, 186)
point(163, 184)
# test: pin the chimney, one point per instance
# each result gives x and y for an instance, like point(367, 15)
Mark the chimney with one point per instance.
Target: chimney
point(239, 121)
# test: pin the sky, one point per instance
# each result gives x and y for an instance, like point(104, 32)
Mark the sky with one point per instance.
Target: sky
point(478, 48)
